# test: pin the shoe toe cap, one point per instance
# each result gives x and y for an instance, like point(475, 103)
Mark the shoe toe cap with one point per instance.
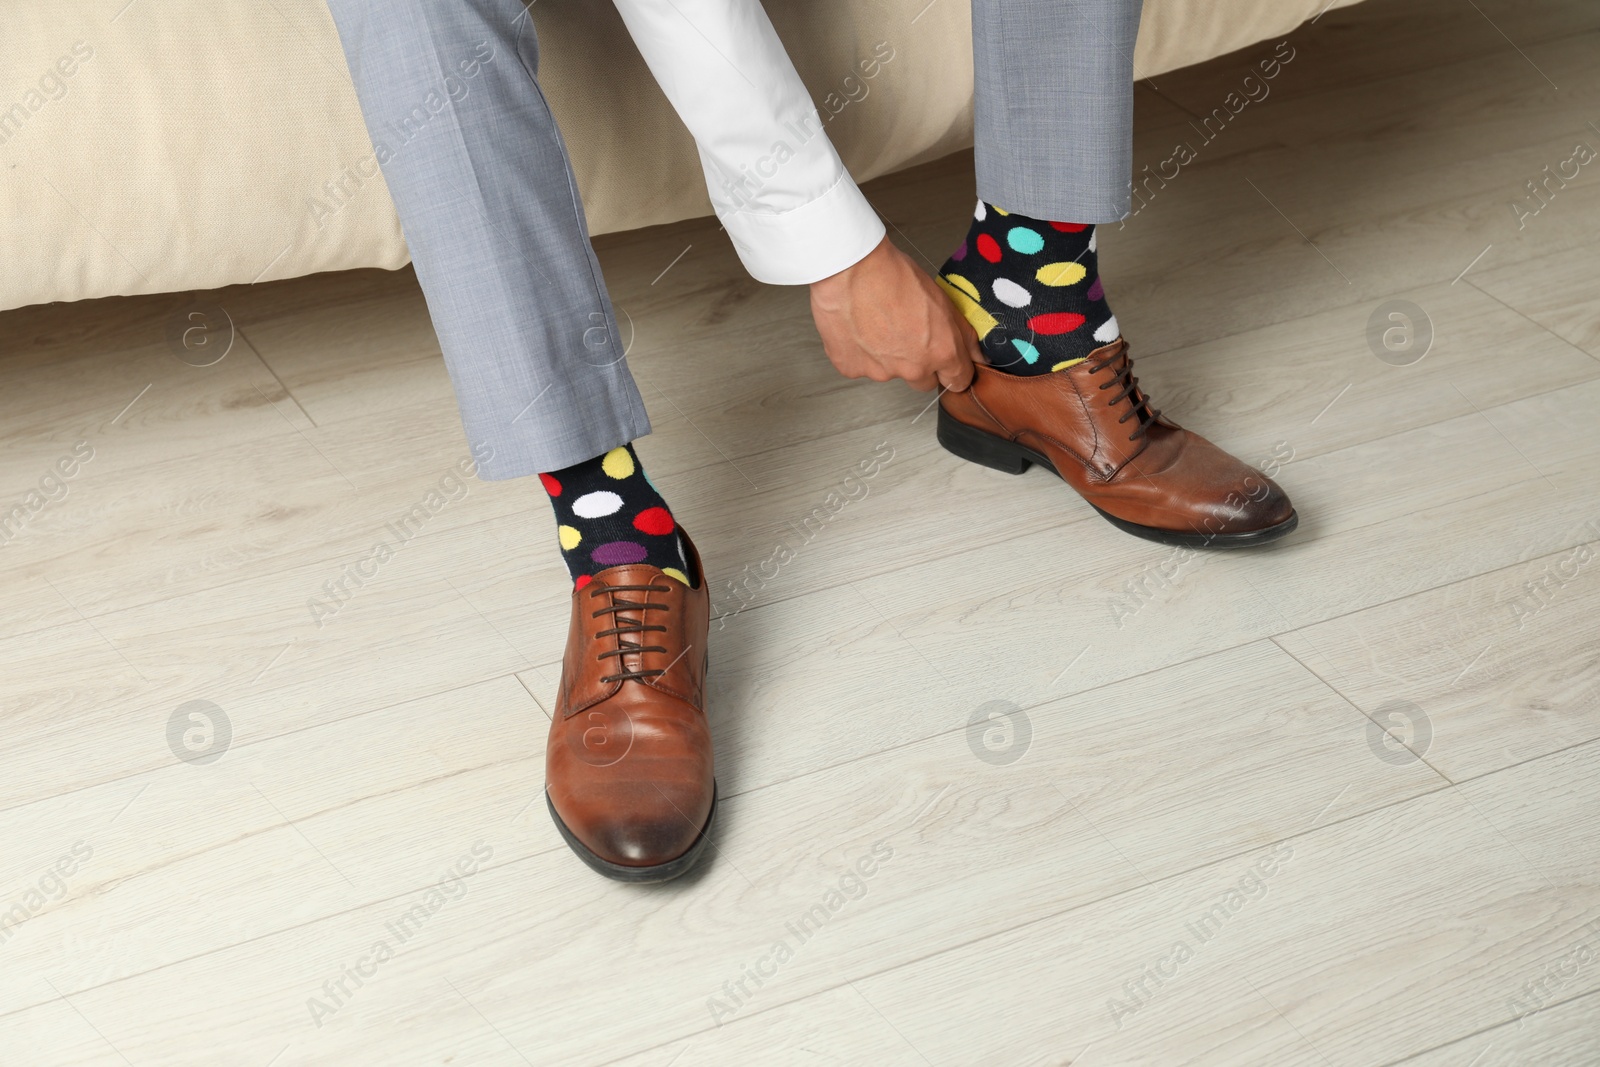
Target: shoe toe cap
point(643, 842)
point(1265, 510)
point(636, 824)
point(1223, 494)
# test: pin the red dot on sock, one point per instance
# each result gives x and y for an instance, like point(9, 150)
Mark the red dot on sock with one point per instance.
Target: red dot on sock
point(1056, 322)
point(1070, 227)
point(988, 248)
point(551, 486)
point(656, 521)
point(583, 580)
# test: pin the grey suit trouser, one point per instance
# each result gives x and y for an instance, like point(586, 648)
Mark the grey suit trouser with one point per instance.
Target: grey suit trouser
point(486, 197)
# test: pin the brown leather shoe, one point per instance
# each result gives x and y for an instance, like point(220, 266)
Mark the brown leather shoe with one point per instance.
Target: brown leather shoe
point(628, 769)
point(1094, 427)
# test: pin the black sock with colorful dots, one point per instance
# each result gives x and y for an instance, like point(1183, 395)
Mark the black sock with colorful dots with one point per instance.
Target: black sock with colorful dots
point(1031, 289)
point(610, 514)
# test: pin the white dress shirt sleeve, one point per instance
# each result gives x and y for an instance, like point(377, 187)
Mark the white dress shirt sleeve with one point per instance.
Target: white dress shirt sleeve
point(778, 186)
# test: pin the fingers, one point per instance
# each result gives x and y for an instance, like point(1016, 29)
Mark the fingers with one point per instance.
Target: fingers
point(955, 371)
point(956, 383)
point(957, 374)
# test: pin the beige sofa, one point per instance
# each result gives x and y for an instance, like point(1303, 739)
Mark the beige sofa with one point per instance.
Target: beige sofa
point(171, 145)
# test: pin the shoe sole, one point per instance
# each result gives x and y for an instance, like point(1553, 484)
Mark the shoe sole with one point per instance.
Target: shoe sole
point(996, 453)
point(661, 872)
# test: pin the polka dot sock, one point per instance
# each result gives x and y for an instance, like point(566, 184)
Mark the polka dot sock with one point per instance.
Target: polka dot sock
point(608, 513)
point(1031, 289)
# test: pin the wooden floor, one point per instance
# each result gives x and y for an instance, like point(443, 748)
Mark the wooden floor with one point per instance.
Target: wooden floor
point(1332, 803)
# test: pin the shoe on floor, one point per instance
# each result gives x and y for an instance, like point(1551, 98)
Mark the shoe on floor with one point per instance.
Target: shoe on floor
point(1094, 427)
point(628, 767)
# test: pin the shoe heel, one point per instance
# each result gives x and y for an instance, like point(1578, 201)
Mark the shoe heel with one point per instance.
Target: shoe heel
point(978, 447)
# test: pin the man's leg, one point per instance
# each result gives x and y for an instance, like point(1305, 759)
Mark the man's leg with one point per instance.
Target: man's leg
point(479, 175)
point(480, 178)
point(1054, 85)
point(1054, 133)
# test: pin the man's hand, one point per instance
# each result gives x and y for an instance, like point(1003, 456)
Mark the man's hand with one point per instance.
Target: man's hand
point(883, 318)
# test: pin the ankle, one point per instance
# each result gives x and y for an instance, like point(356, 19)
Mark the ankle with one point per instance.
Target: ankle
point(1031, 290)
point(609, 514)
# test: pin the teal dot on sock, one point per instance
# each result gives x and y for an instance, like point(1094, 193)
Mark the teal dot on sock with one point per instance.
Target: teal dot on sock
point(1029, 353)
point(1021, 239)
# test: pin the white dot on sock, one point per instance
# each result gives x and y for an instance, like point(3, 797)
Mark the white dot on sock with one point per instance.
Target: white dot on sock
point(596, 505)
point(1107, 331)
point(981, 212)
point(1011, 294)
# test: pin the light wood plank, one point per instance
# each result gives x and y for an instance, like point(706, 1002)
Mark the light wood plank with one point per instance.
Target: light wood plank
point(1447, 919)
point(277, 833)
point(1365, 43)
point(1479, 674)
point(1558, 294)
point(253, 648)
point(1391, 199)
point(1563, 1036)
point(1063, 807)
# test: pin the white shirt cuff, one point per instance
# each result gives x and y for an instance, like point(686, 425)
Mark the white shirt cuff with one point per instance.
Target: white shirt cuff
point(808, 243)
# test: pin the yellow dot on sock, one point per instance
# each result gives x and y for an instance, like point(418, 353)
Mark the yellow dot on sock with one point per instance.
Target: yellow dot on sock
point(1068, 273)
point(1000, 210)
point(673, 572)
point(569, 537)
point(617, 464)
point(981, 320)
point(1064, 364)
point(963, 284)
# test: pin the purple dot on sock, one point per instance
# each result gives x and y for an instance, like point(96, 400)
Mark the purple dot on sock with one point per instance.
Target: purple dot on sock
point(616, 553)
point(1096, 291)
point(959, 254)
